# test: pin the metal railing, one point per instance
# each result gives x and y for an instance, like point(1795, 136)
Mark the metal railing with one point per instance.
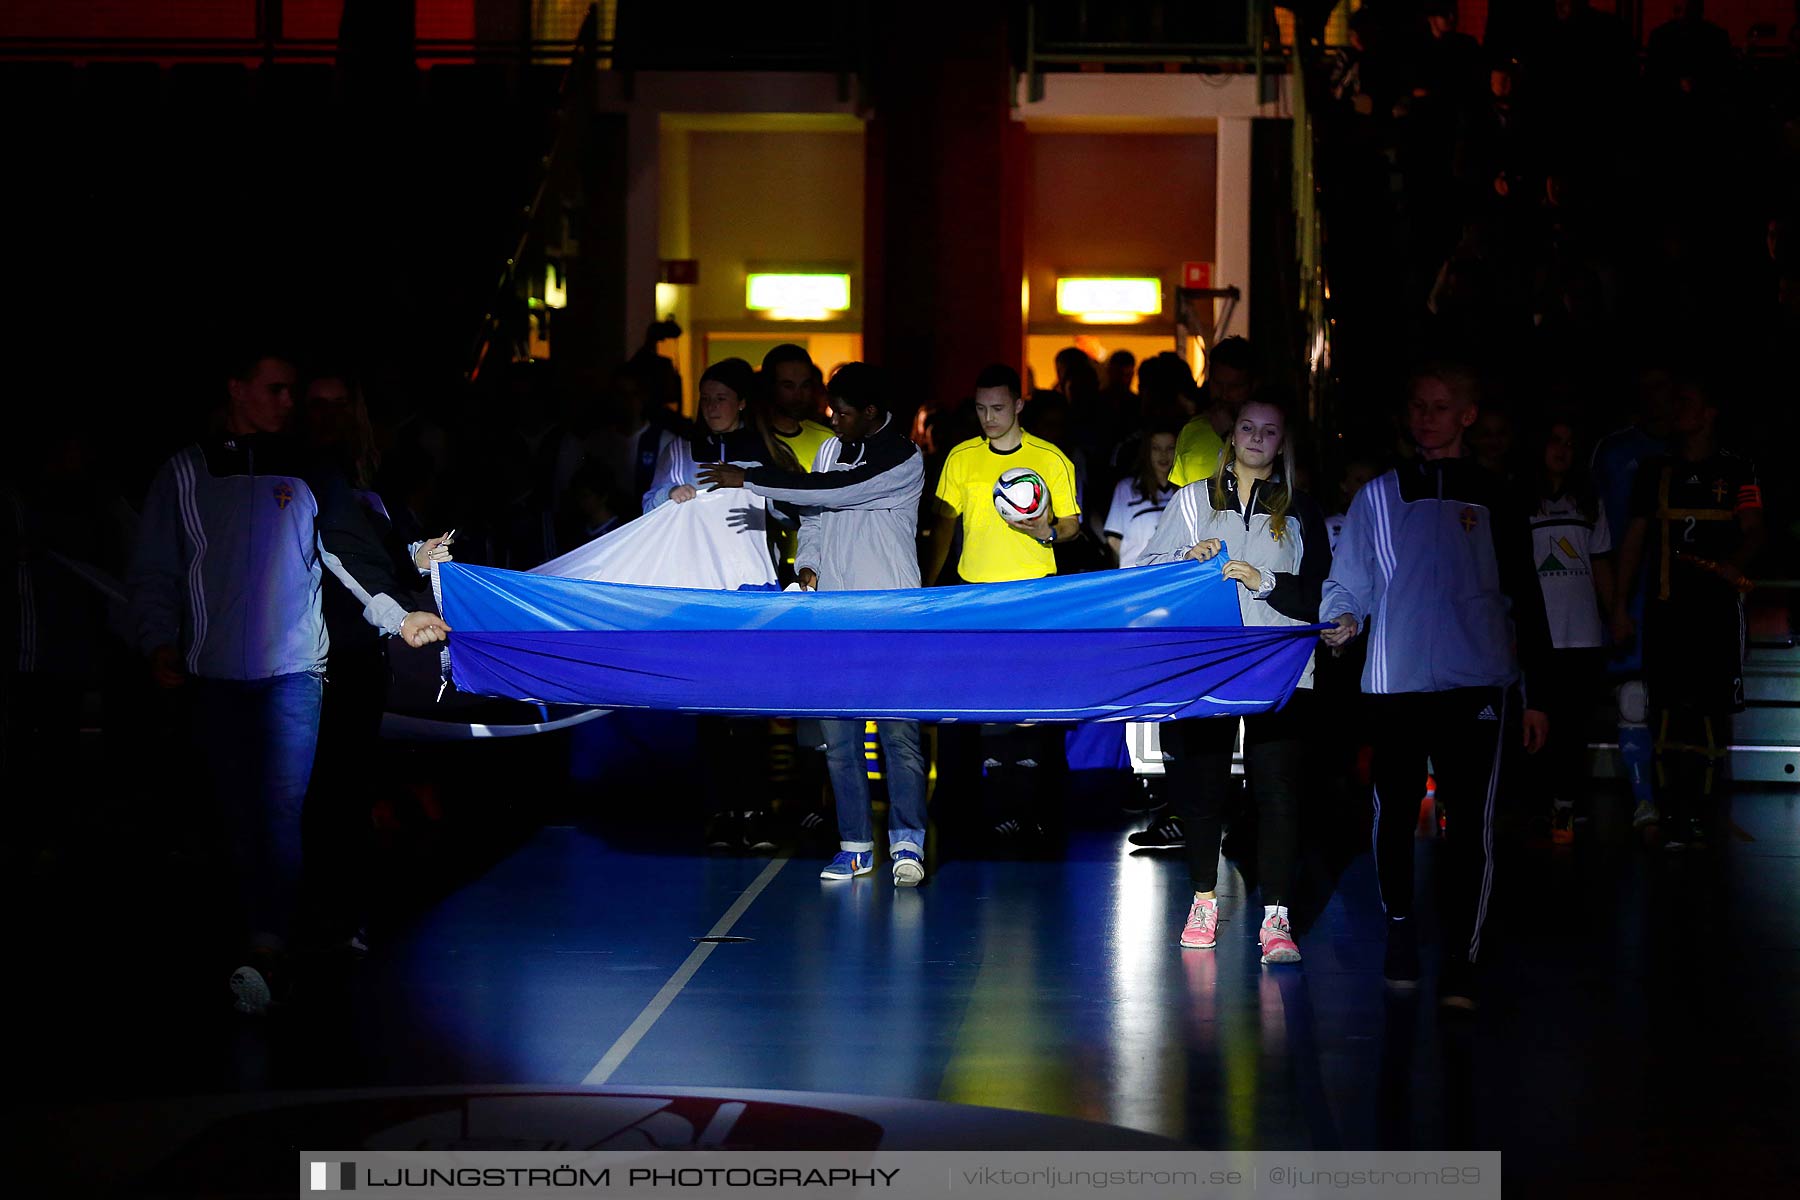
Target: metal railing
point(1079, 35)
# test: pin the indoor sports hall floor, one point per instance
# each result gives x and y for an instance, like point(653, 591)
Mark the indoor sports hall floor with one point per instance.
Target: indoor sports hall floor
point(1642, 1026)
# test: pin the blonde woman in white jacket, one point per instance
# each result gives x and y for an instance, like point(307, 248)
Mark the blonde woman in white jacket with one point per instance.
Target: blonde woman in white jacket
point(1275, 538)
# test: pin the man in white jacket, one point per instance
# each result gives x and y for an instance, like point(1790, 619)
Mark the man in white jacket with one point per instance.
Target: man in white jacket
point(858, 518)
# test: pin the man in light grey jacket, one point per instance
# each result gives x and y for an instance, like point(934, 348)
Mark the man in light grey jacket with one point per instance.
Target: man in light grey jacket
point(226, 584)
point(858, 522)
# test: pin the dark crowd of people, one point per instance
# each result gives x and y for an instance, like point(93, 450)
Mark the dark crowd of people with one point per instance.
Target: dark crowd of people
point(1525, 493)
point(1475, 604)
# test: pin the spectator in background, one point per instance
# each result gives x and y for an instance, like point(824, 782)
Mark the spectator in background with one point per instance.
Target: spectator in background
point(1069, 360)
point(1118, 413)
point(657, 373)
point(225, 600)
point(1085, 430)
point(1357, 473)
point(787, 388)
point(1470, 313)
point(634, 429)
point(1139, 499)
point(1687, 54)
point(1117, 395)
point(819, 408)
point(1696, 525)
point(1445, 87)
point(943, 430)
point(1230, 378)
point(1051, 416)
point(1495, 163)
point(1572, 547)
point(1450, 68)
point(1491, 442)
point(409, 491)
point(1613, 469)
point(590, 508)
point(353, 525)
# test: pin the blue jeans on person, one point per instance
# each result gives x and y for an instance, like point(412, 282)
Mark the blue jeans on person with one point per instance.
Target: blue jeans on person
point(257, 738)
point(850, 784)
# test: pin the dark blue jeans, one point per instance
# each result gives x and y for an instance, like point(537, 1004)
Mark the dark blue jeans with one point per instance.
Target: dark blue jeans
point(257, 739)
point(850, 784)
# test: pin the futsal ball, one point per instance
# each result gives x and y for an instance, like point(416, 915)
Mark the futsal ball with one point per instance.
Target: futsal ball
point(1021, 494)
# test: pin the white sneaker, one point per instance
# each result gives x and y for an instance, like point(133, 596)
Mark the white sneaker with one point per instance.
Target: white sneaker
point(909, 869)
point(1645, 814)
point(250, 991)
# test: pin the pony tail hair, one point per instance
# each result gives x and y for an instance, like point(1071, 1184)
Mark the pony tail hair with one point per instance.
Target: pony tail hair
point(1216, 485)
point(1281, 495)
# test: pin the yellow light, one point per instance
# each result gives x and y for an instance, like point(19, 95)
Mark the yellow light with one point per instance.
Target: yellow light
point(556, 292)
point(809, 297)
point(1109, 301)
point(1197, 357)
point(666, 298)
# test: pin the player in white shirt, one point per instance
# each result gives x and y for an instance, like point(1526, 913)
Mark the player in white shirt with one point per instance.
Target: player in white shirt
point(1139, 499)
point(1571, 547)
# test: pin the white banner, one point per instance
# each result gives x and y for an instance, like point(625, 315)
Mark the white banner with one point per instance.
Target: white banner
point(716, 541)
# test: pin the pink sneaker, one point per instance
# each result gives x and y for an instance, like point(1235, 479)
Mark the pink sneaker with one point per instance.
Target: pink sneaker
point(1202, 929)
point(1278, 941)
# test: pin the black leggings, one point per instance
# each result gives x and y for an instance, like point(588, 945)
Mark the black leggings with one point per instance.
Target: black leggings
point(1198, 762)
point(1463, 733)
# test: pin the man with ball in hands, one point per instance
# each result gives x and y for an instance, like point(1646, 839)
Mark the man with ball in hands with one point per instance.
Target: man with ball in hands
point(1001, 542)
point(1007, 534)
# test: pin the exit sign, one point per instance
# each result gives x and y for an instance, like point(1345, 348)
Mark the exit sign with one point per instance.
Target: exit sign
point(1196, 274)
point(681, 271)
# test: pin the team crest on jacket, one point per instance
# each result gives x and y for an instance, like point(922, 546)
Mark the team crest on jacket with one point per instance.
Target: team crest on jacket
point(1468, 519)
point(284, 495)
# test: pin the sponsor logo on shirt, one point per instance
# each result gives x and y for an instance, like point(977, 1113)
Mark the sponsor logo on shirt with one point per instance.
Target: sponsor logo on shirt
point(1570, 562)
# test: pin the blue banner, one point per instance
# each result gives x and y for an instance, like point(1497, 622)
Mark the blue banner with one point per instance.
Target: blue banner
point(1145, 644)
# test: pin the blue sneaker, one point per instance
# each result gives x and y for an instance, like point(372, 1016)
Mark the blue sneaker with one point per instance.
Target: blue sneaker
point(848, 864)
point(909, 869)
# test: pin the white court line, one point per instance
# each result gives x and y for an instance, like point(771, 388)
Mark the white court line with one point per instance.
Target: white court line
point(615, 1054)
